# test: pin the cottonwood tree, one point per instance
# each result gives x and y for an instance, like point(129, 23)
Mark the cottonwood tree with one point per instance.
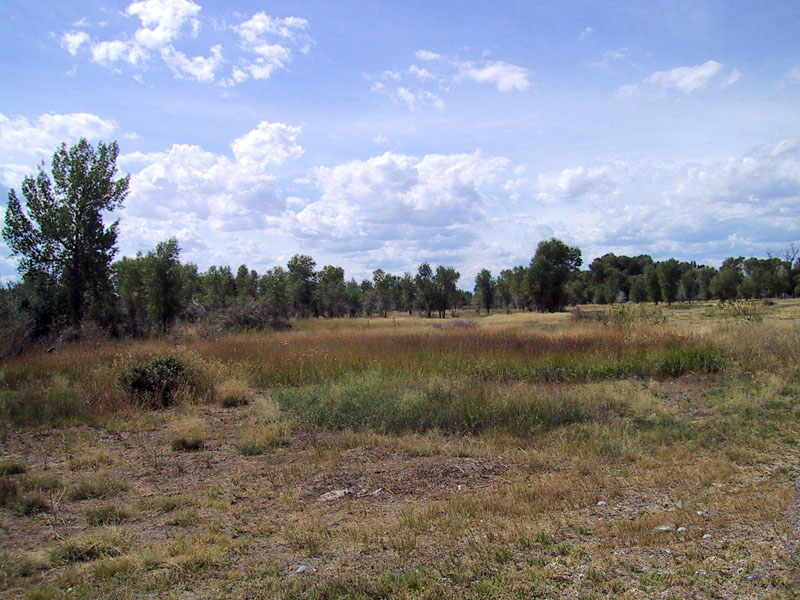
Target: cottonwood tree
point(485, 286)
point(550, 269)
point(60, 235)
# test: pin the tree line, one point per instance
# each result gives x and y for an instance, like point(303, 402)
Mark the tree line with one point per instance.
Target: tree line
point(66, 253)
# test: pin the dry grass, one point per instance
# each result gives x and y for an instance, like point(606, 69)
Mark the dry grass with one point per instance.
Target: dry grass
point(529, 456)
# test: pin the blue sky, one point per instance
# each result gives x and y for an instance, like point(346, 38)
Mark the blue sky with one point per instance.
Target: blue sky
point(382, 134)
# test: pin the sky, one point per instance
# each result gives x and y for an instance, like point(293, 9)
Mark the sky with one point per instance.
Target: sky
point(384, 134)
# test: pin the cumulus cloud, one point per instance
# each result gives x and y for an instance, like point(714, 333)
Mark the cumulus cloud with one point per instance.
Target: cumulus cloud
point(200, 68)
point(72, 40)
point(411, 205)
point(506, 77)
point(188, 183)
point(427, 55)
point(265, 44)
point(265, 54)
point(745, 204)
point(161, 20)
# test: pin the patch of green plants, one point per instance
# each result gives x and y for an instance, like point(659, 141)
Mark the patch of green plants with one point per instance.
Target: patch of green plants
point(156, 384)
point(11, 467)
point(105, 543)
point(745, 311)
point(387, 405)
point(99, 485)
point(107, 514)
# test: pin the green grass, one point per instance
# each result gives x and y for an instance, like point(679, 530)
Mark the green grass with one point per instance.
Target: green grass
point(383, 405)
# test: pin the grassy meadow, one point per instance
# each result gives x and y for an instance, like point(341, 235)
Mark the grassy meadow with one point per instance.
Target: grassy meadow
point(634, 452)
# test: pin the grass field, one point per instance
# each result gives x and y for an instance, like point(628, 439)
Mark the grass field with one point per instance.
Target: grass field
point(650, 454)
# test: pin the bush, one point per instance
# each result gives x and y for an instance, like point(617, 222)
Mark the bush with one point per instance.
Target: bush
point(157, 383)
point(255, 315)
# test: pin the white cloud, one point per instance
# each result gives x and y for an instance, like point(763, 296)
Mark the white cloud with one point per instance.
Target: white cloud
point(427, 55)
point(418, 99)
point(572, 183)
point(420, 73)
point(261, 24)
point(505, 76)
point(611, 56)
point(164, 23)
point(398, 204)
point(42, 136)
point(188, 184)
point(734, 76)
point(24, 141)
point(161, 20)
point(200, 68)
point(685, 79)
point(587, 32)
point(73, 40)
point(269, 56)
point(380, 140)
point(107, 52)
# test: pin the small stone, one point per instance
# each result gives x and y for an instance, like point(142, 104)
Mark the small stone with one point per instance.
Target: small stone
point(752, 577)
point(301, 569)
point(602, 503)
point(681, 529)
point(666, 527)
point(706, 536)
point(700, 572)
point(670, 552)
point(335, 495)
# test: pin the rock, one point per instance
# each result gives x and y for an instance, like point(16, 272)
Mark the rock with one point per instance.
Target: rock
point(602, 503)
point(301, 569)
point(335, 494)
point(700, 572)
point(666, 527)
point(681, 529)
point(706, 536)
point(752, 577)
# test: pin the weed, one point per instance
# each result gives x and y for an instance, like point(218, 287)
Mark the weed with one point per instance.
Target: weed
point(262, 438)
point(96, 485)
point(107, 514)
point(107, 542)
point(11, 468)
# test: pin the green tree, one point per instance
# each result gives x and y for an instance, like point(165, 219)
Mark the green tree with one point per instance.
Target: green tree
point(446, 296)
point(725, 284)
point(638, 289)
point(485, 286)
point(426, 289)
point(60, 235)
point(302, 284)
point(550, 270)
point(668, 273)
point(164, 278)
point(129, 281)
point(689, 285)
point(651, 282)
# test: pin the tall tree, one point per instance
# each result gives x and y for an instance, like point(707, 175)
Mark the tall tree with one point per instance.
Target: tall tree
point(550, 269)
point(302, 284)
point(668, 273)
point(163, 277)
point(446, 280)
point(485, 286)
point(60, 234)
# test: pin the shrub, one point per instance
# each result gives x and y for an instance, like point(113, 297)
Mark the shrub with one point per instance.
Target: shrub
point(189, 435)
point(254, 315)
point(157, 383)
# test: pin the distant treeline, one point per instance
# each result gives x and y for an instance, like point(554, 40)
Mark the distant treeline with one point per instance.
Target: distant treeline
point(65, 253)
point(149, 292)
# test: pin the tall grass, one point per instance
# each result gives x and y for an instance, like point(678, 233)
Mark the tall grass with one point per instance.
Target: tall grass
point(386, 405)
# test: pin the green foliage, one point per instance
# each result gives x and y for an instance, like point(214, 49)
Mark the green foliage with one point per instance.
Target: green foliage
point(388, 405)
point(668, 274)
point(59, 236)
point(485, 287)
point(550, 269)
point(156, 384)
